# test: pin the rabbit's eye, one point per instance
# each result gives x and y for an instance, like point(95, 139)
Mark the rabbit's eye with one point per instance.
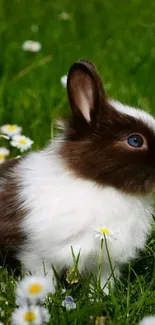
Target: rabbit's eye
point(135, 140)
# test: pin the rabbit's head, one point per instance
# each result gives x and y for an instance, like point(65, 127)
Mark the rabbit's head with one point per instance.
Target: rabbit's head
point(105, 141)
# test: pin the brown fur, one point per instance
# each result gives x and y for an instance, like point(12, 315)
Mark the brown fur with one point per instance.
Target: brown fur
point(11, 235)
point(95, 148)
point(98, 150)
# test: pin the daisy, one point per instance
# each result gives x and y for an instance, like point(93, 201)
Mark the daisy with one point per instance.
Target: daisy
point(31, 46)
point(21, 142)
point(34, 28)
point(10, 129)
point(3, 153)
point(33, 288)
point(148, 320)
point(69, 303)
point(26, 315)
point(103, 232)
point(65, 16)
point(64, 81)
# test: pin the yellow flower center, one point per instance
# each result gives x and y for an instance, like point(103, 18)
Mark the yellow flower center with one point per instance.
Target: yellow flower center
point(29, 316)
point(104, 231)
point(31, 47)
point(2, 156)
point(22, 141)
point(35, 288)
point(11, 127)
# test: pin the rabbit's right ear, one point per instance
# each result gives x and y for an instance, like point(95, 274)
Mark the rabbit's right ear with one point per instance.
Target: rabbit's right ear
point(85, 90)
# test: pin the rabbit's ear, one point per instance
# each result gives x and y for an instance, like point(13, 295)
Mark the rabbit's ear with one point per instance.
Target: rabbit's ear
point(85, 90)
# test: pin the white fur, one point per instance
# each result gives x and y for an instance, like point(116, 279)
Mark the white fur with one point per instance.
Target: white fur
point(135, 112)
point(65, 211)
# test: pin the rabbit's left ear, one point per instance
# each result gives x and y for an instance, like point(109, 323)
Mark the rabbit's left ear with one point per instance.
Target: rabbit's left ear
point(85, 90)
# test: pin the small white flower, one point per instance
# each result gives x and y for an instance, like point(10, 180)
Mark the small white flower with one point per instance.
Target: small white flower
point(10, 129)
point(103, 232)
point(31, 46)
point(148, 320)
point(33, 288)
point(64, 81)
point(26, 315)
point(21, 142)
point(3, 153)
point(63, 290)
point(34, 28)
point(65, 16)
point(69, 303)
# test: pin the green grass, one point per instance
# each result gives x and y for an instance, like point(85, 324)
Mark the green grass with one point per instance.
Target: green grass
point(118, 36)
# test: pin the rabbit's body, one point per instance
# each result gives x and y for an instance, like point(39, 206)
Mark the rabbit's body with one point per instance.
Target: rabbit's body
point(65, 211)
point(100, 174)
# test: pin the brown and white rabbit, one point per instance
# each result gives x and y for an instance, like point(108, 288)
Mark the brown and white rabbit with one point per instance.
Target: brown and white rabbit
point(99, 174)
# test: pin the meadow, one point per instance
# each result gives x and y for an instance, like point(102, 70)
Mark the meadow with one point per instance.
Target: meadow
point(119, 38)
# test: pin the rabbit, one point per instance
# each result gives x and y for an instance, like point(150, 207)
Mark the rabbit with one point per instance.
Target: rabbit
point(98, 174)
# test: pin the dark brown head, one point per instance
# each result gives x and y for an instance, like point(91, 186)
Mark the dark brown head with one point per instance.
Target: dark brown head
point(106, 142)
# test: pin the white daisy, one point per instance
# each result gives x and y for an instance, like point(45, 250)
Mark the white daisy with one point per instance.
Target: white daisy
point(10, 129)
point(33, 288)
point(34, 28)
point(21, 142)
point(69, 303)
point(65, 16)
point(148, 320)
point(64, 81)
point(26, 315)
point(3, 153)
point(31, 46)
point(103, 232)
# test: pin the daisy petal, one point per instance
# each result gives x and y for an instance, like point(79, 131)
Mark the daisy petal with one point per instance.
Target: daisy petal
point(21, 142)
point(30, 315)
point(31, 46)
point(33, 288)
point(64, 81)
point(10, 129)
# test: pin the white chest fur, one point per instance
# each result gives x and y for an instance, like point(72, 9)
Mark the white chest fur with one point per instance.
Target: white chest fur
point(66, 212)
